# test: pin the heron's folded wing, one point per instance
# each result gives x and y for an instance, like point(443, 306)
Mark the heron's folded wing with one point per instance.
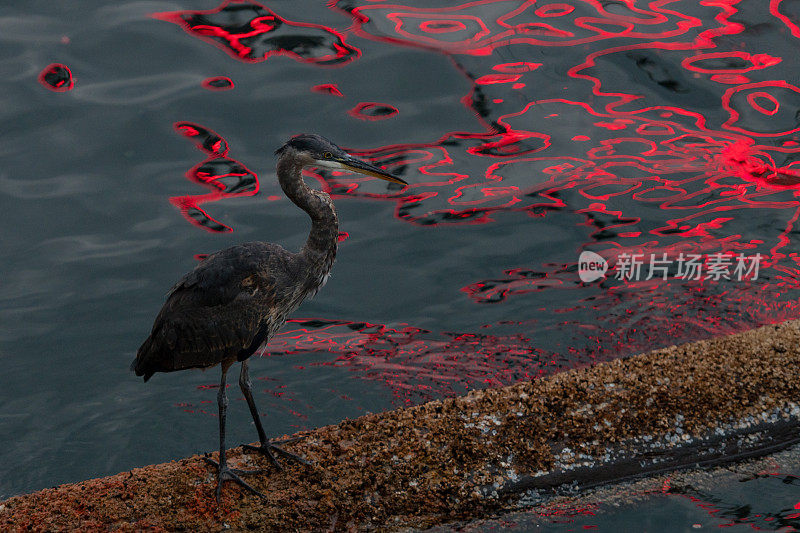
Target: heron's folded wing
point(217, 310)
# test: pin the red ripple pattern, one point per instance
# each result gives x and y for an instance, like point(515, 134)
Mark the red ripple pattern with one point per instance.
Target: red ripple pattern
point(656, 127)
point(763, 98)
point(373, 111)
point(57, 78)
point(327, 88)
point(479, 27)
point(225, 177)
point(418, 365)
point(252, 32)
point(218, 83)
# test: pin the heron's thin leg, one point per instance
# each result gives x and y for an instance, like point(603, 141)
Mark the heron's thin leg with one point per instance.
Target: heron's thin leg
point(266, 446)
point(222, 403)
point(247, 390)
point(223, 472)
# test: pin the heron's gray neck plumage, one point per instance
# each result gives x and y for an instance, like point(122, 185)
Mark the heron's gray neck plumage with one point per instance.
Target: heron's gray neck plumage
point(320, 248)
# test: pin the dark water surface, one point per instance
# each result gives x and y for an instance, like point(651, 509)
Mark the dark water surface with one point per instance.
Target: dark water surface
point(529, 132)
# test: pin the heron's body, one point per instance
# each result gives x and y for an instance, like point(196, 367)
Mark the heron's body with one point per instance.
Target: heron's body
point(236, 299)
point(225, 309)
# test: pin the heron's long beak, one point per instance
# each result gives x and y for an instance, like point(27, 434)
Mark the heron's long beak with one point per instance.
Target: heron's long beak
point(362, 167)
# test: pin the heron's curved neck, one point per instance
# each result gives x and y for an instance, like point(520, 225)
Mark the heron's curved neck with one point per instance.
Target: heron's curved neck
point(323, 238)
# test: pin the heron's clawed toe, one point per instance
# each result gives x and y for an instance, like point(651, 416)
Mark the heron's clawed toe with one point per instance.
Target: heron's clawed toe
point(232, 474)
point(237, 471)
point(267, 448)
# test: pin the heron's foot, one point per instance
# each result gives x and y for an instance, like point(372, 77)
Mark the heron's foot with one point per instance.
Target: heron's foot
point(267, 448)
point(237, 471)
point(226, 473)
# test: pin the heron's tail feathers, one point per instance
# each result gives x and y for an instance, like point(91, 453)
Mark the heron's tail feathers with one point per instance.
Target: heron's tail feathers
point(139, 364)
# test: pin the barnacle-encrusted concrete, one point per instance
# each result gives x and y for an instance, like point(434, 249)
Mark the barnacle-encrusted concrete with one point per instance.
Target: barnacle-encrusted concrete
point(462, 458)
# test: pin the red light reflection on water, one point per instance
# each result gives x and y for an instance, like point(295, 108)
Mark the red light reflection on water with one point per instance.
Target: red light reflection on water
point(252, 32)
point(408, 361)
point(418, 365)
point(327, 88)
point(57, 78)
point(670, 131)
point(790, 19)
point(373, 111)
point(226, 177)
point(218, 83)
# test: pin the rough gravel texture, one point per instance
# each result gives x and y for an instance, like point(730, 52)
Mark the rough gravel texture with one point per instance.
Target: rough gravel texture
point(432, 463)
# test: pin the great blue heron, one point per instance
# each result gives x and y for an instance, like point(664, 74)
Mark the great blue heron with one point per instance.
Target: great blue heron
point(232, 303)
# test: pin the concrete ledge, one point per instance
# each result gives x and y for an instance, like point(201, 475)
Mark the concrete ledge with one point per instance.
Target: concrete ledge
point(701, 403)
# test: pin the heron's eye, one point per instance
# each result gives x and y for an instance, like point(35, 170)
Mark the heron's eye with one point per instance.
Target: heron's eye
point(328, 155)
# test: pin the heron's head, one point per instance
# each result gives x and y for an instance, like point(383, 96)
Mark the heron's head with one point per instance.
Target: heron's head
point(315, 150)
